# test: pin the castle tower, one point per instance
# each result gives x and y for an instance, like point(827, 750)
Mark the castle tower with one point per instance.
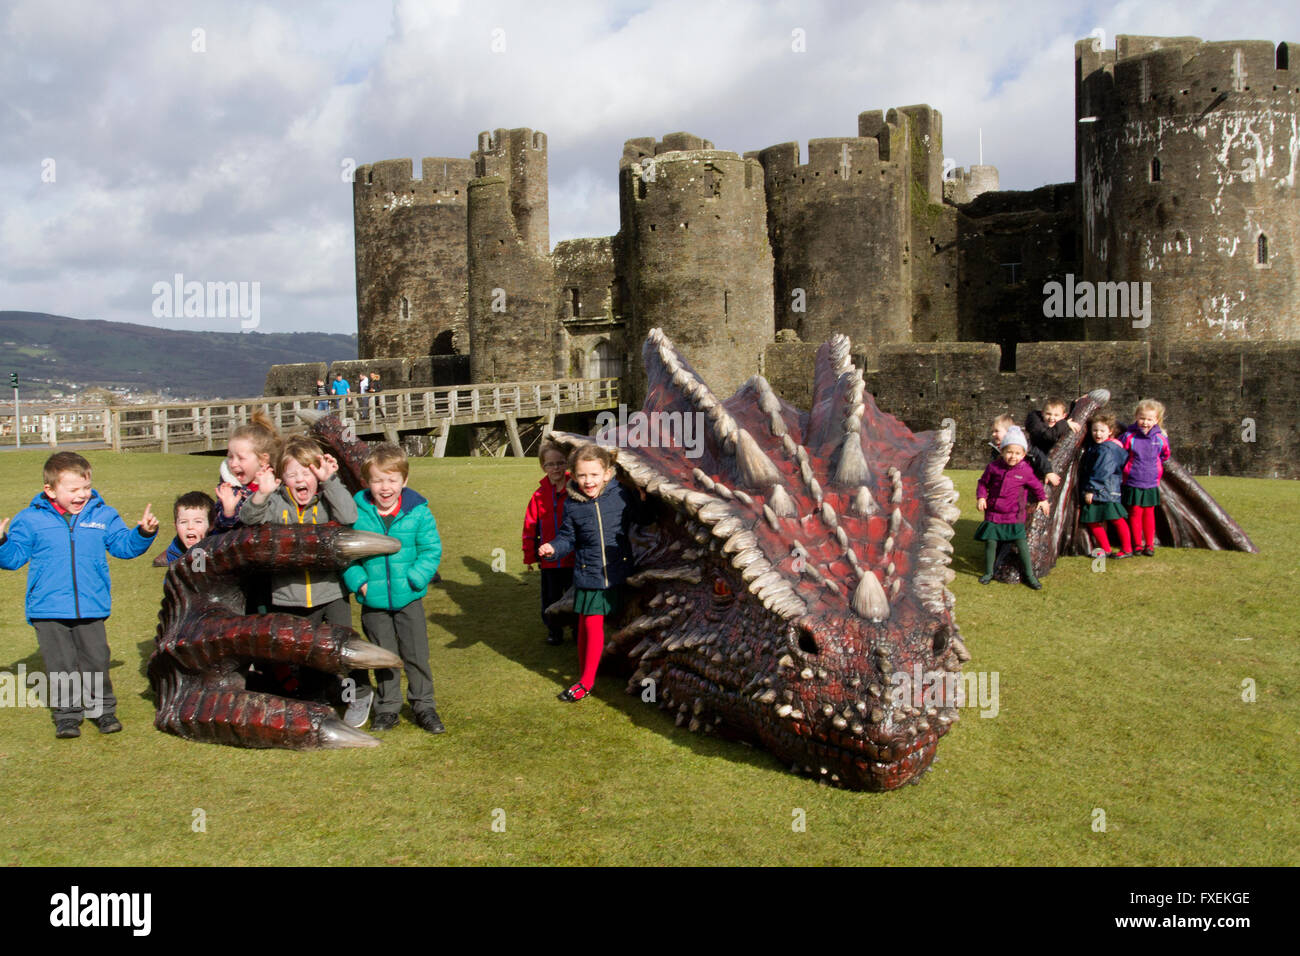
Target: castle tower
point(840, 227)
point(512, 321)
point(410, 255)
point(1186, 157)
point(696, 256)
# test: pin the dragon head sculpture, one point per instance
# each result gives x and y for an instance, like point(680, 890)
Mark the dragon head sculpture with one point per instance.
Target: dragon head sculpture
point(792, 592)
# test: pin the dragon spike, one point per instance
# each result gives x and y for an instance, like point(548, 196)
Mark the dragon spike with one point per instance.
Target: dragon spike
point(863, 503)
point(781, 503)
point(852, 466)
point(752, 464)
point(896, 482)
point(869, 599)
point(828, 515)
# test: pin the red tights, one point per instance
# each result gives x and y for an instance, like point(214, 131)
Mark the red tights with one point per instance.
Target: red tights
point(1143, 521)
point(1098, 531)
point(591, 643)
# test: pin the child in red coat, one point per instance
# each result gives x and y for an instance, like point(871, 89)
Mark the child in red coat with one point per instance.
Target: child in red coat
point(542, 523)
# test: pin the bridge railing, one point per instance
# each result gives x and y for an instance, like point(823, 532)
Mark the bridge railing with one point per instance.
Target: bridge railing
point(194, 426)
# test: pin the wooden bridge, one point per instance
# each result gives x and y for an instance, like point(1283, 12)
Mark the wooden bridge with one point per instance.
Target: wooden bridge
point(191, 427)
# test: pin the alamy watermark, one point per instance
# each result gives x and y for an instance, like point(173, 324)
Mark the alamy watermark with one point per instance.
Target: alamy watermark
point(54, 690)
point(211, 300)
point(656, 429)
point(925, 689)
point(1098, 300)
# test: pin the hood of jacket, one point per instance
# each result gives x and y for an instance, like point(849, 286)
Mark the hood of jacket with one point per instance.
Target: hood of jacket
point(407, 502)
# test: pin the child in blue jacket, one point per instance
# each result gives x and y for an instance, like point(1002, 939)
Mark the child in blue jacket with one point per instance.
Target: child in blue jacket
point(595, 530)
point(64, 534)
point(392, 586)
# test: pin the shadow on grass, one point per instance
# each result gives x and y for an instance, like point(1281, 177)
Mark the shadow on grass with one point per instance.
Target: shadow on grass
point(503, 612)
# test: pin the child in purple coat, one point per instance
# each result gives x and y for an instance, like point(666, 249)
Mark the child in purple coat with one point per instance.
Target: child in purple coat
point(1148, 449)
point(1000, 494)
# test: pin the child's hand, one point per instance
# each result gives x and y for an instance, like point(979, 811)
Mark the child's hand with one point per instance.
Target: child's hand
point(4, 523)
point(328, 468)
point(148, 523)
point(1044, 507)
point(546, 551)
point(1052, 478)
point(229, 498)
point(1074, 426)
point(982, 504)
point(1087, 498)
point(362, 590)
point(266, 483)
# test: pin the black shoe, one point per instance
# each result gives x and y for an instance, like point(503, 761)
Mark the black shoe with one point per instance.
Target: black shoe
point(383, 722)
point(1149, 552)
point(1036, 585)
point(429, 720)
point(555, 640)
point(985, 578)
point(67, 729)
point(108, 724)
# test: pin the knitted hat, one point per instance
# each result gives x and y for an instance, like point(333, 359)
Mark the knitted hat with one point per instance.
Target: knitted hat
point(1014, 436)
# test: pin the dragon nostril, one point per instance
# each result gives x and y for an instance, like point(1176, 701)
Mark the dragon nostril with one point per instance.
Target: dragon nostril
point(940, 642)
point(807, 643)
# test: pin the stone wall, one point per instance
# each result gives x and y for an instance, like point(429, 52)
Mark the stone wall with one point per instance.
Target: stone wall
point(1216, 394)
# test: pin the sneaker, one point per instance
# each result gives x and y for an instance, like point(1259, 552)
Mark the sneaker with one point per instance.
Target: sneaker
point(1121, 555)
point(1148, 552)
point(108, 724)
point(429, 720)
point(577, 692)
point(383, 722)
point(985, 578)
point(66, 729)
point(1035, 584)
point(359, 710)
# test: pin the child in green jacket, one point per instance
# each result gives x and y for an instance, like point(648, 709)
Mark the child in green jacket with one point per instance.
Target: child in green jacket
point(391, 587)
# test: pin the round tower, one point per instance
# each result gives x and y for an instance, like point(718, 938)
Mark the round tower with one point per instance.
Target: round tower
point(698, 264)
point(410, 254)
point(1186, 159)
point(512, 318)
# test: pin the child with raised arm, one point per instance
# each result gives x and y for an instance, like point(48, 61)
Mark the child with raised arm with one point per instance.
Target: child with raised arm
point(303, 489)
point(253, 448)
point(1148, 449)
point(595, 530)
point(1000, 494)
point(392, 587)
point(542, 523)
point(1099, 484)
point(1049, 426)
point(64, 533)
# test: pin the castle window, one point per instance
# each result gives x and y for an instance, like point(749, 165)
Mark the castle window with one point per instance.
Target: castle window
point(604, 362)
point(1283, 57)
point(1261, 250)
point(726, 304)
point(1155, 169)
point(404, 309)
point(574, 304)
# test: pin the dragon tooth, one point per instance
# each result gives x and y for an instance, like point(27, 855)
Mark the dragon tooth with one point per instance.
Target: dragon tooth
point(869, 599)
point(796, 715)
point(959, 646)
point(789, 447)
point(828, 515)
point(763, 580)
point(895, 521)
point(714, 512)
point(841, 537)
point(923, 725)
point(889, 544)
point(895, 586)
point(785, 661)
point(890, 568)
point(949, 575)
point(755, 569)
point(740, 541)
point(805, 470)
point(776, 424)
point(857, 728)
point(702, 478)
point(877, 715)
point(743, 498)
point(765, 696)
point(806, 673)
point(723, 491)
point(780, 502)
point(727, 526)
point(815, 488)
point(784, 710)
point(747, 557)
point(839, 723)
point(827, 710)
point(853, 425)
point(863, 503)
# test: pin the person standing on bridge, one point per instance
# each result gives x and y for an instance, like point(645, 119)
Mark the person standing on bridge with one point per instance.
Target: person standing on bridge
point(340, 387)
point(363, 386)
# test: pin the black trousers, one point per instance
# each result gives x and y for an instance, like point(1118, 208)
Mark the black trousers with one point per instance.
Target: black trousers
point(404, 633)
point(76, 655)
point(555, 581)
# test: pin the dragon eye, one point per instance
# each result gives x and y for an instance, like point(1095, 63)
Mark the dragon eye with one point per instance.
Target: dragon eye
point(721, 588)
point(940, 641)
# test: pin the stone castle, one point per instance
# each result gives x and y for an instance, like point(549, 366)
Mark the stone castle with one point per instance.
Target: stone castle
point(1171, 259)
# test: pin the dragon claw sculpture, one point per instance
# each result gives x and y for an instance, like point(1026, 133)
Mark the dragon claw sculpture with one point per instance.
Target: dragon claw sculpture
point(796, 577)
point(205, 644)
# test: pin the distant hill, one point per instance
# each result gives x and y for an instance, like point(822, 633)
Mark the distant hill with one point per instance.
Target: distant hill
point(56, 353)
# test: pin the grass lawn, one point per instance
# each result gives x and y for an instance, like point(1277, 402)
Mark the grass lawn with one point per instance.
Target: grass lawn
point(1119, 692)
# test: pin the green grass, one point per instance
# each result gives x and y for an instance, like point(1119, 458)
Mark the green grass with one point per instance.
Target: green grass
point(1118, 690)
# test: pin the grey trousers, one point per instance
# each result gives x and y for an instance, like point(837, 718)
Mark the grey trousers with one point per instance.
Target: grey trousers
point(405, 634)
point(76, 659)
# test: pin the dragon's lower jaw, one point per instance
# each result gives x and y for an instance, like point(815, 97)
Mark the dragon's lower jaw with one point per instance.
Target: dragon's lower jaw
point(883, 760)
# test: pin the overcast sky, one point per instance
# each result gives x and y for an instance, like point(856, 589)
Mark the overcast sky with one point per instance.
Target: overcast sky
point(141, 140)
